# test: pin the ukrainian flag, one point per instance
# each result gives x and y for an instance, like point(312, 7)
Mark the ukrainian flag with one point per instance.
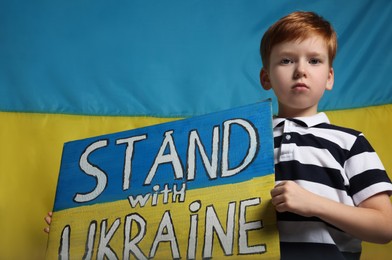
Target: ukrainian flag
point(75, 69)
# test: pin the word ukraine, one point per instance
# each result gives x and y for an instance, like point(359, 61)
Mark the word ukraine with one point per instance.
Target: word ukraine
point(194, 188)
point(166, 233)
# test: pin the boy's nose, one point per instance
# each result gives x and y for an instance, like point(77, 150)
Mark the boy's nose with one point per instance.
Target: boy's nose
point(299, 71)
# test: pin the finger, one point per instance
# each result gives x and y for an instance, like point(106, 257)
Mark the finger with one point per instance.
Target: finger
point(274, 202)
point(274, 192)
point(281, 208)
point(277, 191)
point(277, 200)
point(48, 220)
point(280, 183)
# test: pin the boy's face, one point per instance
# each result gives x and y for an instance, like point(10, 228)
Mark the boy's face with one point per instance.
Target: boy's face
point(299, 73)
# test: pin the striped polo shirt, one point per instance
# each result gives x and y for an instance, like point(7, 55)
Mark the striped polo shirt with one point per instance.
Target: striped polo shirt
point(331, 161)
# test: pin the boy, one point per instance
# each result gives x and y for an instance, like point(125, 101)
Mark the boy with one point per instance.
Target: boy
point(331, 188)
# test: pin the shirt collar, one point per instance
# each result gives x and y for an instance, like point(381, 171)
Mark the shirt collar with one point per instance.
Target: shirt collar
point(308, 121)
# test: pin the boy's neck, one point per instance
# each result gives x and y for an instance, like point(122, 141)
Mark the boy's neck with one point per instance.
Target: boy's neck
point(291, 113)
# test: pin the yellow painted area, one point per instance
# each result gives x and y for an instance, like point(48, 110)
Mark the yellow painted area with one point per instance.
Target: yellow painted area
point(30, 155)
point(217, 198)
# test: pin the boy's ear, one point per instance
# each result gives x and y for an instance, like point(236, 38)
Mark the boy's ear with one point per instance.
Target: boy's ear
point(264, 79)
point(331, 79)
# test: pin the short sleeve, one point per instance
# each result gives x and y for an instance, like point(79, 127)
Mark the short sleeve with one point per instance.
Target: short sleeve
point(365, 171)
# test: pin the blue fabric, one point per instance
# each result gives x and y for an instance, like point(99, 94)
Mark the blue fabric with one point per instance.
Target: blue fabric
point(174, 58)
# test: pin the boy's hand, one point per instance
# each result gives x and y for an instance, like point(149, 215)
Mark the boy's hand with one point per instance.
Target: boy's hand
point(370, 221)
point(48, 220)
point(289, 196)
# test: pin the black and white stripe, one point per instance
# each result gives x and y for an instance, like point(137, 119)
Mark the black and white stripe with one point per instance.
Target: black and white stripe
point(331, 161)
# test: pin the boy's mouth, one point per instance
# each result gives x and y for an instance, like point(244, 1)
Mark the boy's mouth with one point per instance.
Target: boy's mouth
point(300, 86)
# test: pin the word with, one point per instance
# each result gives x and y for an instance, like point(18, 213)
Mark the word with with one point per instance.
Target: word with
point(142, 200)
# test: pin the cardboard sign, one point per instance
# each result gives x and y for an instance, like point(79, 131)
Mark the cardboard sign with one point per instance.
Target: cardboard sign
point(193, 189)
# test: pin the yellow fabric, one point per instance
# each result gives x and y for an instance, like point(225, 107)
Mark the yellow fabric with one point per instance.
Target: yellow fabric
point(30, 155)
point(376, 124)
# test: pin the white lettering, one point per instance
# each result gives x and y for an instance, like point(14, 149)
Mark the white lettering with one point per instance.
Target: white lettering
point(88, 254)
point(64, 243)
point(213, 224)
point(171, 157)
point(244, 227)
point(94, 171)
point(165, 233)
point(211, 167)
point(104, 249)
point(128, 157)
point(130, 245)
point(252, 149)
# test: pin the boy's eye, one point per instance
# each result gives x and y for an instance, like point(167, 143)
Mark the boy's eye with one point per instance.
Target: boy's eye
point(286, 61)
point(314, 61)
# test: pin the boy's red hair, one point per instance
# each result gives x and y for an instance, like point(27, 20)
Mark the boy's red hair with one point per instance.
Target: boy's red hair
point(298, 26)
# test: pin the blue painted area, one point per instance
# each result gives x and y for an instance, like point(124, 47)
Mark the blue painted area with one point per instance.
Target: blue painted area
point(110, 158)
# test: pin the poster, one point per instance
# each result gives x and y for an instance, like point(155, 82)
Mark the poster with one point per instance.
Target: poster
point(193, 189)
